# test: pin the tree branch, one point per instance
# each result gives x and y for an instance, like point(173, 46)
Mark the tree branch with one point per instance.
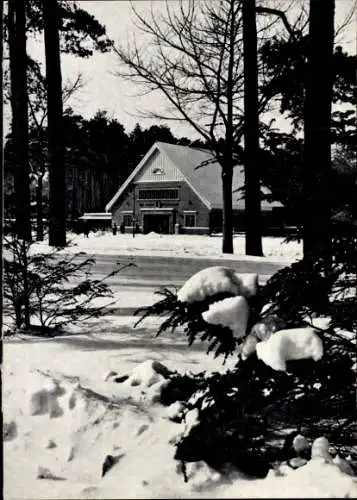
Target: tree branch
point(279, 13)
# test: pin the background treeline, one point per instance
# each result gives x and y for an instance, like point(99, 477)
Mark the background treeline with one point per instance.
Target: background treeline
point(99, 156)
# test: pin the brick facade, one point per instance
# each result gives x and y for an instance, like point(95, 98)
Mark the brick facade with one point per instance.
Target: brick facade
point(187, 203)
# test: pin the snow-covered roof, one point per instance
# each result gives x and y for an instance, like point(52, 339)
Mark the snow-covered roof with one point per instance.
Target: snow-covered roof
point(96, 216)
point(201, 171)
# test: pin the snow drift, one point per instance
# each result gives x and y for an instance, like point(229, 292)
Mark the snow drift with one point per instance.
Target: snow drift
point(63, 456)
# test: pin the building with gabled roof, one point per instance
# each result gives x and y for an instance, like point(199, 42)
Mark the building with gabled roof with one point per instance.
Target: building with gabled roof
point(179, 189)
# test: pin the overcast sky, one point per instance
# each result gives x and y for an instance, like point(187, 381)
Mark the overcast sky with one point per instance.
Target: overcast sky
point(105, 91)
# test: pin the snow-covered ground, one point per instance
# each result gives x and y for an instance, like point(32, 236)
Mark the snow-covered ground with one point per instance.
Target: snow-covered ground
point(274, 249)
point(66, 437)
point(64, 413)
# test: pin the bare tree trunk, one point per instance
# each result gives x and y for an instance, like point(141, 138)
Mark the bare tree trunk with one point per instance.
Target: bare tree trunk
point(25, 280)
point(227, 177)
point(39, 225)
point(227, 162)
point(317, 147)
point(253, 234)
point(57, 204)
point(19, 105)
point(74, 193)
point(2, 179)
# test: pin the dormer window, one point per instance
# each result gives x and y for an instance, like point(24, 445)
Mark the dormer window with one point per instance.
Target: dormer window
point(158, 171)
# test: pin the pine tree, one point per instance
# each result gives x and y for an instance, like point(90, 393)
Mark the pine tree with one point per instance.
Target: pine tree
point(19, 105)
point(57, 209)
point(253, 216)
point(317, 132)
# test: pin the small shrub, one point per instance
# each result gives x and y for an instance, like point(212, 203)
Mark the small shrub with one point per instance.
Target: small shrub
point(50, 289)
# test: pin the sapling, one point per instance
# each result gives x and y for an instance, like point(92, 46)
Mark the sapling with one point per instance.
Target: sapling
point(51, 289)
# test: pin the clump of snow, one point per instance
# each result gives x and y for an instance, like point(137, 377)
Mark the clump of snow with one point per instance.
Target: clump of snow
point(147, 373)
point(197, 395)
point(290, 344)
point(343, 465)
point(249, 346)
point(232, 313)
point(183, 429)
point(192, 419)
point(297, 462)
point(300, 443)
point(267, 326)
point(217, 279)
point(261, 331)
point(320, 449)
point(154, 392)
point(175, 411)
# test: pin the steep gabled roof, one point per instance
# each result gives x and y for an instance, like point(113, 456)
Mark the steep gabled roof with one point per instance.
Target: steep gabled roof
point(200, 171)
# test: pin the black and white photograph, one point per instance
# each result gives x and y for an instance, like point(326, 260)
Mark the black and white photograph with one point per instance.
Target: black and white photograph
point(179, 249)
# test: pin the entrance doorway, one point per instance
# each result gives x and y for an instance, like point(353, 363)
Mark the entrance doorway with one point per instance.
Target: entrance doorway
point(158, 223)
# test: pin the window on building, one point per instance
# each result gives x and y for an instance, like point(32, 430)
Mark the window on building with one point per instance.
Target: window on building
point(128, 220)
point(158, 171)
point(190, 220)
point(158, 194)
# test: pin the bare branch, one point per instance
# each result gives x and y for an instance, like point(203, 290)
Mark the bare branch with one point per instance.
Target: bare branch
point(347, 20)
point(71, 87)
point(191, 62)
point(39, 115)
point(281, 15)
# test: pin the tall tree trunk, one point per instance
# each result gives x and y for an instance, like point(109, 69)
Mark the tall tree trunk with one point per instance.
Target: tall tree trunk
point(74, 207)
point(2, 179)
point(19, 105)
point(253, 216)
point(228, 163)
point(57, 204)
point(317, 132)
point(39, 214)
point(227, 177)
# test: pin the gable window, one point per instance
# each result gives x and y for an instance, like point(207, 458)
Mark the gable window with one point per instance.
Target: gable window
point(158, 194)
point(190, 220)
point(158, 171)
